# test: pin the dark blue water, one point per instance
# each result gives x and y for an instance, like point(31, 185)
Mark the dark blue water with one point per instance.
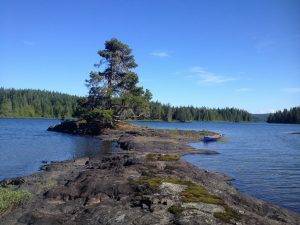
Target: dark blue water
point(25, 143)
point(264, 159)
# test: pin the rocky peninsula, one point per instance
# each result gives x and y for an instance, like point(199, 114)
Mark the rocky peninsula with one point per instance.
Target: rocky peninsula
point(139, 179)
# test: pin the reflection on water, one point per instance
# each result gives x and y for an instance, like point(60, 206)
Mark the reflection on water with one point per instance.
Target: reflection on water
point(25, 143)
point(263, 158)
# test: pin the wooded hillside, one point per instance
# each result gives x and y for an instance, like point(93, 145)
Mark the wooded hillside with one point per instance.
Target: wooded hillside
point(36, 103)
point(285, 116)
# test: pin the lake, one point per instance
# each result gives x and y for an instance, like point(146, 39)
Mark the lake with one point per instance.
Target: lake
point(264, 159)
point(25, 143)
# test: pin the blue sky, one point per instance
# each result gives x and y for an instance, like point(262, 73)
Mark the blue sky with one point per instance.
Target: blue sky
point(244, 54)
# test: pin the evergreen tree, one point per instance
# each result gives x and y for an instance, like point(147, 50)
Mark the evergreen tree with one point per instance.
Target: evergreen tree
point(36, 103)
point(184, 114)
point(285, 116)
point(113, 90)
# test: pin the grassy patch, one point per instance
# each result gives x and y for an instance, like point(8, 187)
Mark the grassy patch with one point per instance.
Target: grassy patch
point(152, 182)
point(197, 193)
point(193, 192)
point(228, 215)
point(47, 184)
point(162, 157)
point(190, 134)
point(176, 209)
point(10, 198)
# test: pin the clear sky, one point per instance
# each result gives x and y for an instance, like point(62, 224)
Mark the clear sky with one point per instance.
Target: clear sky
point(203, 53)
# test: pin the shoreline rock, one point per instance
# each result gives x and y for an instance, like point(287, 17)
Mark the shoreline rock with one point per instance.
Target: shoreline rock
point(77, 127)
point(143, 181)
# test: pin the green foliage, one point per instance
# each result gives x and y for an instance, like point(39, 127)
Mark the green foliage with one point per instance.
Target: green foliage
point(153, 182)
point(115, 76)
point(36, 103)
point(164, 112)
point(228, 215)
point(114, 87)
point(130, 105)
point(133, 106)
point(197, 193)
point(10, 198)
point(101, 116)
point(285, 116)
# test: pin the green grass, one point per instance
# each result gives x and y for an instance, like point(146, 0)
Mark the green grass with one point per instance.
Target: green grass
point(228, 215)
point(152, 182)
point(162, 157)
point(197, 193)
point(10, 198)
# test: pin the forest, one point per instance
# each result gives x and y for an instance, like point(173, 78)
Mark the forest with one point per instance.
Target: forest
point(285, 116)
point(40, 103)
point(170, 113)
point(36, 103)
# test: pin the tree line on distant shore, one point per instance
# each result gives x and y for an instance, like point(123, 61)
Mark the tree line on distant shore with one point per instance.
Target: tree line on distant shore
point(36, 103)
point(48, 104)
point(39, 103)
point(169, 113)
point(285, 116)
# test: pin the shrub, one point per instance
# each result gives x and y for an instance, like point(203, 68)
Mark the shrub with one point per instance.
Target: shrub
point(10, 198)
point(102, 117)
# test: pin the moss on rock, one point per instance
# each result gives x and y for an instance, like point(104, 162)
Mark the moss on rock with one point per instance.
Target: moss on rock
point(193, 192)
point(197, 193)
point(162, 157)
point(176, 209)
point(228, 215)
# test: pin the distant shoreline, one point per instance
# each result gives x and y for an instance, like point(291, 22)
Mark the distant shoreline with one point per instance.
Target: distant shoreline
point(142, 120)
point(173, 121)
